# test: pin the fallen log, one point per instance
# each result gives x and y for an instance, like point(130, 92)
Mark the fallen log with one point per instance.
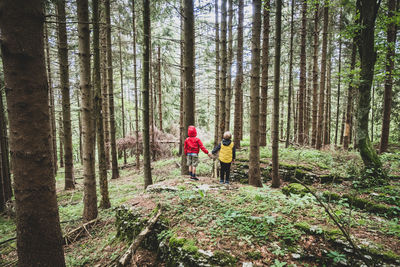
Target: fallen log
point(77, 233)
point(125, 259)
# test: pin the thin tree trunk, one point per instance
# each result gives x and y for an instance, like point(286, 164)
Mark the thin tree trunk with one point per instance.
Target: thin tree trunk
point(318, 143)
point(217, 78)
point(51, 102)
point(121, 72)
point(182, 87)
point(39, 239)
point(229, 69)
point(308, 104)
point(145, 93)
point(339, 77)
point(295, 116)
point(224, 66)
point(368, 12)
point(80, 127)
point(290, 89)
point(114, 160)
point(303, 73)
point(90, 197)
point(343, 125)
point(254, 161)
point(239, 77)
point(136, 87)
point(152, 103)
point(159, 91)
point(275, 124)
point(105, 200)
point(393, 5)
point(315, 78)
point(327, 120)
point(64, 84)
point(61, 139)
point(264, 74)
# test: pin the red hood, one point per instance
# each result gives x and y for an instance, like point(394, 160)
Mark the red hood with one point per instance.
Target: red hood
point(192, 131)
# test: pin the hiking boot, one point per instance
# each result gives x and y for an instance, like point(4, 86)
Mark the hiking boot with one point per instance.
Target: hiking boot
point(221, 182)
point(194, 178)
point(227, 182)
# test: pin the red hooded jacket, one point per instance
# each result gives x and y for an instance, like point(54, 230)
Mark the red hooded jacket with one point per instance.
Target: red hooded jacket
point(192, 143)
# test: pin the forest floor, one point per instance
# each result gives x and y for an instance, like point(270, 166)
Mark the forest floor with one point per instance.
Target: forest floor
point(264, 226)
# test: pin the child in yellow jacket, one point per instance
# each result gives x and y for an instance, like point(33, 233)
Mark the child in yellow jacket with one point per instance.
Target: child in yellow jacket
point(227, 155)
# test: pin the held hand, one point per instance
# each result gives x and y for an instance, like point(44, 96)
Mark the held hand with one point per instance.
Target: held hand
point(210, 155)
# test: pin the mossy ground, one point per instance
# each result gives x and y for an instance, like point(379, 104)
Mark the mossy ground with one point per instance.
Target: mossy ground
point(259, 225)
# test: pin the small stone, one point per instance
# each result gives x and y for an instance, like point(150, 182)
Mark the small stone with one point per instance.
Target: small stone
point(296, 256)
point(247, 264)
point(157, 188)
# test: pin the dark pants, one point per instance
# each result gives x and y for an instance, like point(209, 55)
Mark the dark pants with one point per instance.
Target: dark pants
point(225, 169)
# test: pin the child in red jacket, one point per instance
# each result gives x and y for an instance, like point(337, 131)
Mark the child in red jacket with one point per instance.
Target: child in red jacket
point(192, 147)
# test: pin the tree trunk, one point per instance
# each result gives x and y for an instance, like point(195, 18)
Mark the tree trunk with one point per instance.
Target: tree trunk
point(159, 90)
point(104, 89)
point(224, 66)
point(264, 74)
point(80, 126)
point(188, 101)
point(217, 78)
point(290, 89)
point(275, 124)
point(121, 72)
point(303, 71)
point(145, 93)
point(60, 139)
point(39, 240)
point(152, 103)
point(64, 84)
point(90, 197)
point(339, 78)
point(368, 11)
point(318, 143)
point(110, 86)
point(105, 200)
point(390, 55)
point(239, 77)
point(254, 161)
point(136, 87)
point(327, 120)
point(315, 78)
point(347, 130)
point(229, 69)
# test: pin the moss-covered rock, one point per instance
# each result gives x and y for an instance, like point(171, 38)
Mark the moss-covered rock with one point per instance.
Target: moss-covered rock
point(295, 188)
point(254, 255)
point(221, 258)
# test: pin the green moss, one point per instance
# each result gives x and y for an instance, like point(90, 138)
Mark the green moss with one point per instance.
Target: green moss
point(304, 226)
point(176, 242)
point(254, 255)
point(295, 188)
point(288, 166)
point(221, 258)
point(331, 196)
point(190, 247)
point(386, 255)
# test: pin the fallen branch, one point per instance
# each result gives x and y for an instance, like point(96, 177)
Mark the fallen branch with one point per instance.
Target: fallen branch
point(8, 240)
point(78, 232)
point(124, 260)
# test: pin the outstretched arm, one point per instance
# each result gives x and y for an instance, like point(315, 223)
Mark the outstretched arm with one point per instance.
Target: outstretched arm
point(202, 147)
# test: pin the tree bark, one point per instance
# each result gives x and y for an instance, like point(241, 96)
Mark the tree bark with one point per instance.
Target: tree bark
point(182, 87)
point(136, 87)
point(339, 76)
point(368, 11)
point(303, 73)
point(90, 197)
point(145, 93)
point(264, 74)
point(254, 161)
point(39, 240)
point(105, 200)
point(66, 106)
point(315, 78)
point(159, 91)
point(60, 139)
point(224, 66)
point(327, 120)
point(80, 126)
point(229, 68)
point(318, 143)
point(110, 86)
point(217, 78)
point(239, 77)
point(290, 89)
point(390, 55)
point(121, 72)
point(275, 124)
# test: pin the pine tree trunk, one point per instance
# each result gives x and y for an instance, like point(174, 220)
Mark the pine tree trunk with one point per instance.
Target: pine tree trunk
point(121, 72)
point(39, 239)
point(264, 74)
point(390, 55)
point(110, 86)
point(80, 127)
point(339, 78)
point(224, 66)
point(182, 87)
point(51, 102)
point(136, 87)
point(105, 200)
point(239, 78)
point(347, 129)
point(290, 89)
point(321, 102)
point(275, 123)
point(327, 120)
point(229, 69)
point(254, 160)
point(303, 71)
point(217, 78)
point(90, 197)
point(159, 91)
point(368, 11)
point(60, 139)
point(315, 78)
point(308, 104)
point(66, 106)
point(145, 93)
